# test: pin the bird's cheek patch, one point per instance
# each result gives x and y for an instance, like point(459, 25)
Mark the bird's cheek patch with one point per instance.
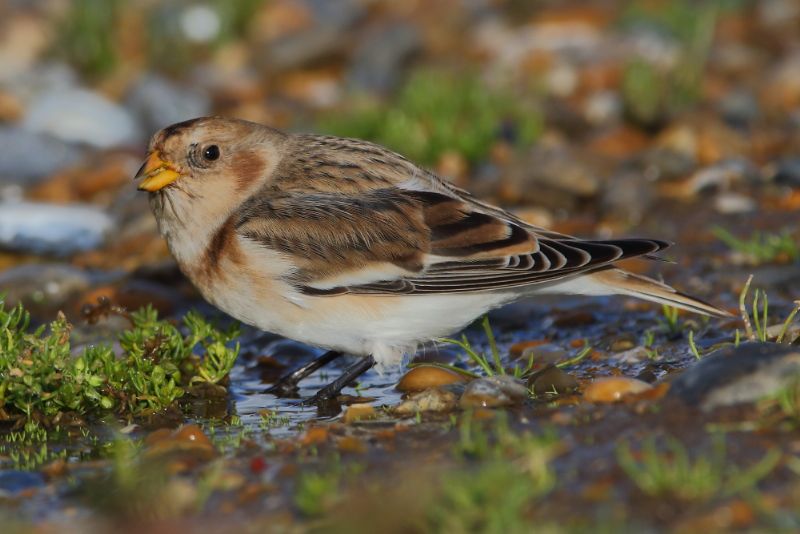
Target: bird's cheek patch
point(156, 173)
point(248, 168)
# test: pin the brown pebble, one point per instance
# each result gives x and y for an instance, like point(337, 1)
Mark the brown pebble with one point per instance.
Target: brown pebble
point(554, 380)
point(185, 440)
point(352, 444)
point(613, 389)
point(358, 412)
point(428, 376)
point(517, 349)
point(314, 435)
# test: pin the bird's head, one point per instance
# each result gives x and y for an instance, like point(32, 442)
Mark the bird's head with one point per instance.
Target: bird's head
point(212, 163)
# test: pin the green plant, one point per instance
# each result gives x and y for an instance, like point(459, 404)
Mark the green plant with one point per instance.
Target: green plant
point(513, 470)
point(86, 37)
point(41, 378)
point(651, 92)
point(672, 472)
point(758, 329)
point(434, 113)
point(760, 247)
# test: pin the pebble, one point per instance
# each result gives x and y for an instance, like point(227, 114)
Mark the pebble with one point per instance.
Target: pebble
point(81, 116)
point(50, 283)
point(787, 172)
point(552, 380)
point(358, 412)
point(158, 102)
point(732, 375)
point(732, 203)
point(613, 388)
point(28, 157)
point(493, 392)
point(429, 400)
point(378, 59)
point(42, 228)
point(428, 376)
point(186, 440)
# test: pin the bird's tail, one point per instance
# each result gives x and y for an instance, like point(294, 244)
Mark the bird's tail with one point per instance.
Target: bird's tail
point(622, 282)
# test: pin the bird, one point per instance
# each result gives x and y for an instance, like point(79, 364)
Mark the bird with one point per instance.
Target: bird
point(348, 246)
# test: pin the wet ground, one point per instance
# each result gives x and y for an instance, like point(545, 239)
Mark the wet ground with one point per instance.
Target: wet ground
point(659, 119)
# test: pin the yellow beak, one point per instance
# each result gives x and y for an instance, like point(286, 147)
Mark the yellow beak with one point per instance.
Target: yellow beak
point(156, 173)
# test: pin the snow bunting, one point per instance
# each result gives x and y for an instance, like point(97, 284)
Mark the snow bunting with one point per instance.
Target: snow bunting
point(346, 245)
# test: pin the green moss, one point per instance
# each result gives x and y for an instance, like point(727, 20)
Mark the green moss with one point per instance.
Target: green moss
point(41, 378)
point(437, 112)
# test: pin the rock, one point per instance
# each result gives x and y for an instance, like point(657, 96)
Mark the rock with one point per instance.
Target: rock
point(28, 157)
point(158, 102)
point(613, 388)
point(380, 55)
point(735, 375)
point(732, 203)
point(544, 355)
point(326, 36)
point(358, 412)
point(519, 348)
point(429, 400)
point(428, 376)
point(13, 482)
point(493, 392)
point(554, 176)
point(185, 441)
point(81, 116)
point(739, 107)
point(41, 228)
point(786, 171)
point(49, 284)
point(552, 380)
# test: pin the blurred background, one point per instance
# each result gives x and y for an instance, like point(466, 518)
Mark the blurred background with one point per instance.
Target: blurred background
point(672, 118)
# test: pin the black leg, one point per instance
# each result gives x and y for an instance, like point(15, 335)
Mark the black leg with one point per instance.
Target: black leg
point(332, 390)
point(287, 384)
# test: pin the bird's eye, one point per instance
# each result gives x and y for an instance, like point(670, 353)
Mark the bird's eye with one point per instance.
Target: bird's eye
point(211, 152)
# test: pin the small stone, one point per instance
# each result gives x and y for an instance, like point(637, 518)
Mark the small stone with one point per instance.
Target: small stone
point(187, 440)
point(787, 172)
point(43, 285)
point(351, 444)
point(358, 412)
point(619, 345)
point(553, 380)
point(52, 229)
point(81, 116)
point(493, 392)
point(27, 157)
point(733, 203)
point(736, 375)
point(614, 388)
point(517, 349)
point(160, 103)
point(314, 435)
point(429, 400)
point(428, 376)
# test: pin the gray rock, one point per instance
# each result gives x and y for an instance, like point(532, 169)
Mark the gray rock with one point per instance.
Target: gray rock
point(552, 379)
point(787, 172)
point(158, 102)
point(493, 392)
point(428, 400)
point(28, 157)
point(81, 116)
point(379, 58)
point(42, 228)
point(731, 376)
point(48, 284)
point(328, 36)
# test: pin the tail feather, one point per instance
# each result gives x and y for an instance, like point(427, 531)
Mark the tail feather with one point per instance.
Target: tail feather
point(627, 283)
